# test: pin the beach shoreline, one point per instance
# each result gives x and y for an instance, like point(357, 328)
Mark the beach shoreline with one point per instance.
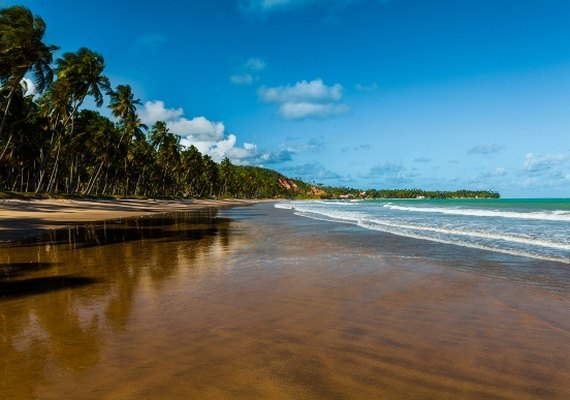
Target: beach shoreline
point(20, 219)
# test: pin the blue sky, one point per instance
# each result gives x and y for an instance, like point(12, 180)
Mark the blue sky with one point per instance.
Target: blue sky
point(360, 93)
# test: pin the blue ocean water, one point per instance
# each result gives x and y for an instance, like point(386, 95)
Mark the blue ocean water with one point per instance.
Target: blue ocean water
point(535, 228)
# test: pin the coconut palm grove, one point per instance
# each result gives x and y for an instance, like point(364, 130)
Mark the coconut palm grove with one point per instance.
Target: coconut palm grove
point(51, 143)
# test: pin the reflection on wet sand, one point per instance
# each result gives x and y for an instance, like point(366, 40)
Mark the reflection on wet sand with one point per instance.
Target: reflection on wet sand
point(198, 306)
point(61, 292)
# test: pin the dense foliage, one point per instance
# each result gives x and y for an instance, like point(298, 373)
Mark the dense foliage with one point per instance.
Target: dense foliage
point(430, 194)
point(50, 143)
point(342, 192)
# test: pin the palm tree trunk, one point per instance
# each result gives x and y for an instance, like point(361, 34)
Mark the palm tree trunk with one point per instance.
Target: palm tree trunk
point(7, 108)
point(10, 96)
point(7, 145)
point(53, 175)
point(93, 179)
point(21, 180)
point(27, 180)
point(104, 191)
point(41, 175)
point(137, 187)
point(70, 177)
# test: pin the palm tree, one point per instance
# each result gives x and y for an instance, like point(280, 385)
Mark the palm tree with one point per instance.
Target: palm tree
point(28, 139)
point(21, 51)
point(141, 159)
point(210, 176)
point(78, 75)
point(168, 147)
point(192, 168)
point(226, 175)
point(99, 143)
point(123, 103)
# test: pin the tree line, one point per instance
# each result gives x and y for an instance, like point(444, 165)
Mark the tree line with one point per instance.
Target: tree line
point(50, 143)
point(430, 194)
point(344, 192)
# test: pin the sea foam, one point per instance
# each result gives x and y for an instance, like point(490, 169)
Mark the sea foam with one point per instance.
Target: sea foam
point(556, 215)
point(539, 234)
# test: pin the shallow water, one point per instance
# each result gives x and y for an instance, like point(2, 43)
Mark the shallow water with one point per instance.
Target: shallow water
point(255, 302)
point(535, 228)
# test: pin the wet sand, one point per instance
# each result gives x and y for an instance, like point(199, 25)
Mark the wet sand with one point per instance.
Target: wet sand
point(22, 218)
point(257, 303)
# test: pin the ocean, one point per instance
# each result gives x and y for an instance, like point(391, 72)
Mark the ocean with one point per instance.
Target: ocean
point(530, 228)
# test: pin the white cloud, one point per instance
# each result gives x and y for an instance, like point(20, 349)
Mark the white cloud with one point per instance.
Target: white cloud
point(209, 137)
point(305, 99)
point(303, 91)
point(241, 79)
point(544, 171)
point(366, 88)
point(485, 149)
point(227, 148)
point(543, 163)
point(199, 128)
point(255, 64)
point(156, 111)
point(265, 7)
point(315, 110)
point(248, 72)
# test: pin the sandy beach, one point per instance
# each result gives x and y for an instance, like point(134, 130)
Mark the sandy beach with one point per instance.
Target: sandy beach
point(257, 303)
point(22, 218)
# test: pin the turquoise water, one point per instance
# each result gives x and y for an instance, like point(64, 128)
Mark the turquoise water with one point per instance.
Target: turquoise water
point(533, 228)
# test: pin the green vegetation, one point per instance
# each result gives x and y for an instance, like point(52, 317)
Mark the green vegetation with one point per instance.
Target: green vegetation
point(49, 143)
point(335, 192)
point(428, 194)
